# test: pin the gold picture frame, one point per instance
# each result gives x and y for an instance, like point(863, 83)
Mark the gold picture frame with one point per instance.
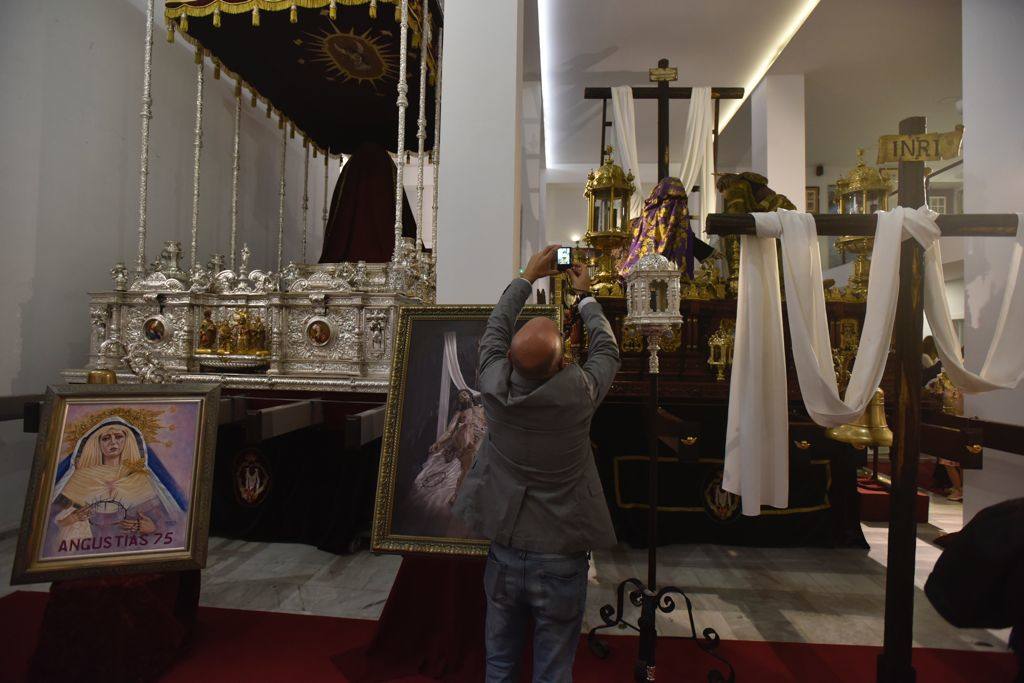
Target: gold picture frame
point(399, 525)
point(87, 514)
point(812, 199)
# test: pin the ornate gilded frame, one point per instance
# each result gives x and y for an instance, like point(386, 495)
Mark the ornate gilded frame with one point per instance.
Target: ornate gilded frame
point(383, 538)
point(29, 569)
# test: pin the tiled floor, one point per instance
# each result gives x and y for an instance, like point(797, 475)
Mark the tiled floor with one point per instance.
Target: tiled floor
point(803, 595)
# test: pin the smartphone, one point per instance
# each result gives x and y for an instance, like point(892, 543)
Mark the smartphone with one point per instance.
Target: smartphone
point(564, 258)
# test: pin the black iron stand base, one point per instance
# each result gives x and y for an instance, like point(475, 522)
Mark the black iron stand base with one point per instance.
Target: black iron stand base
point(650, 603)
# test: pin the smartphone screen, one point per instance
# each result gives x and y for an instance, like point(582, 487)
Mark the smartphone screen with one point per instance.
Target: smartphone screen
point(563, 258)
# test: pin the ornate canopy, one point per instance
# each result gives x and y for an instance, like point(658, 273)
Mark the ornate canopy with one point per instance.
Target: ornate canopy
point(329, 66)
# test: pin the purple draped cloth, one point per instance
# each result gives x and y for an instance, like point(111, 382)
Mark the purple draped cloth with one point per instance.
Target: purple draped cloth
point(663, 228)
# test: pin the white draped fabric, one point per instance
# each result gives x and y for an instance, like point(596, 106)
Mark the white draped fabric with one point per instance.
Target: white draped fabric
point(451, 374)
point(698, 152)
point(1004, 363)
point(624, 115)
point(757, 451)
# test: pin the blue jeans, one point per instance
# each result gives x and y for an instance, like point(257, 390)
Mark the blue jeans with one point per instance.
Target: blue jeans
point(548, 587)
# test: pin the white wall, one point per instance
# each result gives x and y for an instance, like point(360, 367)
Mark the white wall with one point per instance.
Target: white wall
point(777, 134)
point(993, 182)
point(479, 202)
point(71, 74)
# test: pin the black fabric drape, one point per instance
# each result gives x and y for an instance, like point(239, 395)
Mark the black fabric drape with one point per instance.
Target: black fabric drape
point(361, 224)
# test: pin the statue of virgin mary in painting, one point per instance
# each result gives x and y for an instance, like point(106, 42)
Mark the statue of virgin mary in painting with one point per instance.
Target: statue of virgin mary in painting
point(112, 493)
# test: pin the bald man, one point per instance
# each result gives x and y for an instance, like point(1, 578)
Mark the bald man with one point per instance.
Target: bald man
point(533, 489)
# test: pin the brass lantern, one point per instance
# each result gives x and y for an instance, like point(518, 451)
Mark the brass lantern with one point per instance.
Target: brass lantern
point(608, 192)
point(863, 190)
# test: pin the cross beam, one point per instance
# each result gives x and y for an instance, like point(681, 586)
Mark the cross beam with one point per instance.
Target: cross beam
point(831, 224)
point(663, 75)
point(894, 663)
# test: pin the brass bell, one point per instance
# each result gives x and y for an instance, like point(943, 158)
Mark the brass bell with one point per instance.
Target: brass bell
point(870, 429)
point(881, 435)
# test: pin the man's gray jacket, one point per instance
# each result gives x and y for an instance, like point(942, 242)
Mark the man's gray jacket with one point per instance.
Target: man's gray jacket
point(533, 484)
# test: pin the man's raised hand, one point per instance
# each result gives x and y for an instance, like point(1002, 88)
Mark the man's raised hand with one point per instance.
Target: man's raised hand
point(541, 264)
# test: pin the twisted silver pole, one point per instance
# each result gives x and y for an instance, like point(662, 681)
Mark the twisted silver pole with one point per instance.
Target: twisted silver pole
point(403, 104)
point(327, 169)
point(436, 149)
point(421, 132)
point(280, 204)
point(305, 202)
point(197, 151)
point(146, 114)
point(235, 167)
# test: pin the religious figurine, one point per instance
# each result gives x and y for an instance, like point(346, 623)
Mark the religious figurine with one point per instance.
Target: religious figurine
point(259, 336)
point(207, 333)
point(663, 227)
point(746, 192)
point(224, 345)
point(243, 268)
point(120, 275)
point(240, 331)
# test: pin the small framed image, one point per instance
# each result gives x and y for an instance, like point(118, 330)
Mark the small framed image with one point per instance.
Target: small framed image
point(813, 199)
point(318, 332)
point(155, 329)
point(433, 426)
point(120, 482)
point(833, 199)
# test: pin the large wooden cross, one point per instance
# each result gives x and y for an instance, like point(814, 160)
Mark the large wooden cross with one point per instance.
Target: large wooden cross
point(894, 661)
point(663, 74)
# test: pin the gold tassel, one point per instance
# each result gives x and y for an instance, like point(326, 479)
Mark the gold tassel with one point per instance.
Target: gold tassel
point(170, 31)
point(199, 55)
point(373, 9)
point(333, 12)
point(183, 22)
point(314, 151)
point(255, 16)
point(293, 16)
point(415, 39)
point(291, 133)
point(305, 142)
point(216, 71)
point(398, 11)
point(238, 88)
point(216, 18)
point(280, 122)
point(268, 109)
point(252, 100)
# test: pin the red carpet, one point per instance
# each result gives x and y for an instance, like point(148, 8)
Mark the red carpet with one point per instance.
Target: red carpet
point(236, 645)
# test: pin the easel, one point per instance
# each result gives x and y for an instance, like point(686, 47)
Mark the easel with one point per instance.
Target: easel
point(894, 663)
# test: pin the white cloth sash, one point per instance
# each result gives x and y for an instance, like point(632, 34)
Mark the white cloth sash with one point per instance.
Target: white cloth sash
point(624, 115)
point(757, 450)
point(698, 153)
point(1004, 362)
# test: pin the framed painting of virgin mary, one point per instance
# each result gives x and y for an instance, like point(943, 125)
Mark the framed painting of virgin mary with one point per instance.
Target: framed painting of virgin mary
point(433, 426)
point(120, 482)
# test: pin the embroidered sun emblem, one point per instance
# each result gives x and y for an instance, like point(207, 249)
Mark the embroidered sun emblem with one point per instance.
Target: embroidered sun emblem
point(354, 57)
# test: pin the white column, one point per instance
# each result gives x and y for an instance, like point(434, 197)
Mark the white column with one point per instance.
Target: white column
point(777, 140)
point(478, 248)
point(993, 96)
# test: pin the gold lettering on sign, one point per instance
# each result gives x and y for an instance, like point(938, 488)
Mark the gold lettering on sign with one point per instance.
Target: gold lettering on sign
point(922, 147)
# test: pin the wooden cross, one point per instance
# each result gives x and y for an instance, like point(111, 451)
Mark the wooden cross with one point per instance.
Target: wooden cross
point(663, 74)
point(894, 661)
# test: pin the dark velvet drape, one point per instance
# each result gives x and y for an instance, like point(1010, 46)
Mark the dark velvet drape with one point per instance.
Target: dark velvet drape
point(361, 223)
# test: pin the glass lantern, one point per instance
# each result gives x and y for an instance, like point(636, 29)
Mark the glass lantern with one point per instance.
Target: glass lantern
point(652, 301)
point(862, 191)
point(608, 192)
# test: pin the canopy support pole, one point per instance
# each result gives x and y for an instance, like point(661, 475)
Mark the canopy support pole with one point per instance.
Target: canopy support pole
point(280, 202)
point(305, 200)
point(146, 115)
point(235, 167)
point(197, 146)
point(421, 132)
point(435, 159)
point(403, 104)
